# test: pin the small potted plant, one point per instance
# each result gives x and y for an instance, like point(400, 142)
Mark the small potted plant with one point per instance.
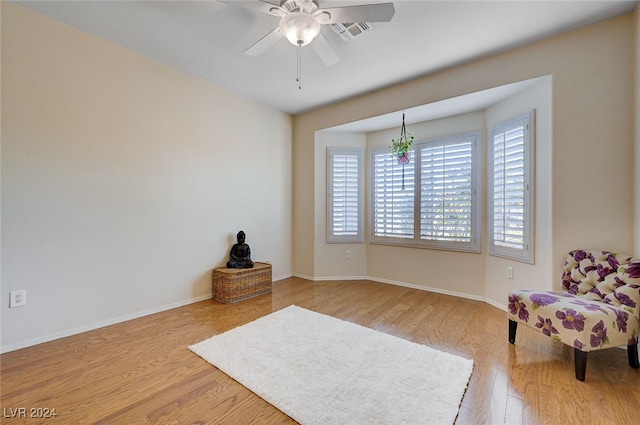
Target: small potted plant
point(401, 147)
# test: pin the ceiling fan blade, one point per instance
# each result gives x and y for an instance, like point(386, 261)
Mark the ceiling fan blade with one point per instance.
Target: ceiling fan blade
point(379, 12)
point(324, 50)
point(263, 6)
point(264, 43)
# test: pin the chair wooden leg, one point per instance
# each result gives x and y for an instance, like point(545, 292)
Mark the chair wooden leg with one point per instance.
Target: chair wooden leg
point(581, 363)
point(513, 327)
point(632, 352)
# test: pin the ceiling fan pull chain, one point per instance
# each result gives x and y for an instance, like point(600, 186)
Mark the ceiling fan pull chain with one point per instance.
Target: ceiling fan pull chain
point(299, 71)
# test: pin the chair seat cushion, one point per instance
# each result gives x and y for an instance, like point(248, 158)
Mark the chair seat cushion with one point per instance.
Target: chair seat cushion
point(584, 323)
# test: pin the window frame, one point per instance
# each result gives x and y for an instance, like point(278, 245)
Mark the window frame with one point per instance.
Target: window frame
point(475, 244)
point(526, 253)
point(331, 237)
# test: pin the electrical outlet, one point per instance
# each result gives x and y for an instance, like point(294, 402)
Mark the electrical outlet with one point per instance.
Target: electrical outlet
point(509, 272)
point(347, 255)
point(17, 298)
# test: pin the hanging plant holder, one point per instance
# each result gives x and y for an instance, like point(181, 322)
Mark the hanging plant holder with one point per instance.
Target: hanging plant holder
point(401, 148)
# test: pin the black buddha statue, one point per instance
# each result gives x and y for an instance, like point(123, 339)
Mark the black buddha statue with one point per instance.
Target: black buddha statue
point(240, 256)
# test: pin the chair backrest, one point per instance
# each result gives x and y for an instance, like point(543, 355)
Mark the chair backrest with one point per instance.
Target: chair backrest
point(604, 276)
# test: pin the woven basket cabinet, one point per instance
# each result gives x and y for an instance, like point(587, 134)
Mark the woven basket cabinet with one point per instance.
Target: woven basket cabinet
point(233, 285)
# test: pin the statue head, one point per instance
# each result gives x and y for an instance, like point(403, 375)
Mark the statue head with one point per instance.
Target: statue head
point(240, 237)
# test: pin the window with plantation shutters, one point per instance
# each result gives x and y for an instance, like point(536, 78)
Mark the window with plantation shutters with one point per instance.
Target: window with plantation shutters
point(433, 201)
point(511, 189)
point(393, 193)
point(345, 195)
point(449, 173)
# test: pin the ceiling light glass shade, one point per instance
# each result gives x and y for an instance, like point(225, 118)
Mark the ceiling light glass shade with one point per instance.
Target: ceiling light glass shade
point(300, 28)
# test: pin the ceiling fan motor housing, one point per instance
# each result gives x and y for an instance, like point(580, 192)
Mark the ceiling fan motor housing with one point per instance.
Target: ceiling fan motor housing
point(300, 6)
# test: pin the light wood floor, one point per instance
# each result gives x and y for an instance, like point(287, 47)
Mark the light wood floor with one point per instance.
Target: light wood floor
point(141, 371)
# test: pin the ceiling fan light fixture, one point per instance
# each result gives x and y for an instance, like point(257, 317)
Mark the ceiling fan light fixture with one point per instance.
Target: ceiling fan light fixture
point(300, 28)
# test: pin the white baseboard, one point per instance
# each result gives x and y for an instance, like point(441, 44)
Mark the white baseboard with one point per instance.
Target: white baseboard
point(436, 290)
point(495, 304)
point(406, 285)
point(330, 278)
point(97, 325)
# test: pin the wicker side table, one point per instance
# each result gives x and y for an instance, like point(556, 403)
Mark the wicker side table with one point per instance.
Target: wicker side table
point(233, 285)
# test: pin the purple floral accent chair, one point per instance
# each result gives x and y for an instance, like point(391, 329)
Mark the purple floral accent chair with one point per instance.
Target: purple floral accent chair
point(597, 307)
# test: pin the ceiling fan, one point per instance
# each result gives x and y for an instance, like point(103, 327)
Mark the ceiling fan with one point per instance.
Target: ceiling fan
point(301, 21)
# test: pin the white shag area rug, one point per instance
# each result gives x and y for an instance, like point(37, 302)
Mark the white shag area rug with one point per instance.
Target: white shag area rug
point(321, 370)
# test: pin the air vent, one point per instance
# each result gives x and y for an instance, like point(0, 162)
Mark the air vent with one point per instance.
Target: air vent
point(351, 30)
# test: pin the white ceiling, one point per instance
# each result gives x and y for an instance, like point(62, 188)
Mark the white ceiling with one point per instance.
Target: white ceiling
point(207, 39)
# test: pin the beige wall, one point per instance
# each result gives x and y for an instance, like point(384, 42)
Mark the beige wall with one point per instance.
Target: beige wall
point(543, 274)
point(406, 266)
point(590, 156)
point(423, 267)
point(593, 121)
point(332, 262)
point(124, 181)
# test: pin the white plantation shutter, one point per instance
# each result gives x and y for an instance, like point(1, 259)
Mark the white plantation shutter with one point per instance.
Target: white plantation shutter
point(447, 179)
point(392, 204)
point(345, 206)
point(510, 184)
